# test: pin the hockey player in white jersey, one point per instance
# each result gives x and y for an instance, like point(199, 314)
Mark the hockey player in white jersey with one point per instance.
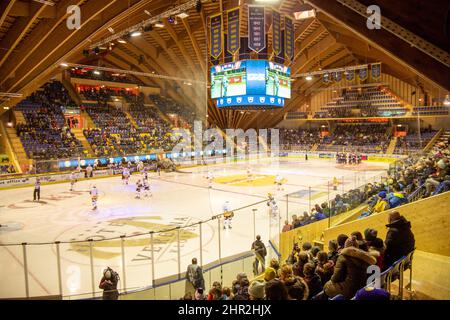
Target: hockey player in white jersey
point(140, 166)
point(73, 180)
point(273, 206)
point(279, 182)
point(125, 175)
point(146, 186)
point(227, 215)
point(94, 197)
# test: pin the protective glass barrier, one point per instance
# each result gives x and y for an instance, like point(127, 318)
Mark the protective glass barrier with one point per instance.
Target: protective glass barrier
point(43, 273)
point(15, 282)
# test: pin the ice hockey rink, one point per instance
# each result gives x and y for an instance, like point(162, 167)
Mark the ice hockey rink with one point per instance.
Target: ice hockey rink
point(178, 199)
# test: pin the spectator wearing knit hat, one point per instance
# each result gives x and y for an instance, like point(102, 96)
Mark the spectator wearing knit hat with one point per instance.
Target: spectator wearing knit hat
point(256, 290)
point(270, 274)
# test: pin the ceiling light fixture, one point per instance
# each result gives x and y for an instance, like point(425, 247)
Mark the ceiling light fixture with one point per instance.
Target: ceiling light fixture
point(182, 15)
point(308, 78)
point(136, 33)
point(159, 24)
point(121, 41)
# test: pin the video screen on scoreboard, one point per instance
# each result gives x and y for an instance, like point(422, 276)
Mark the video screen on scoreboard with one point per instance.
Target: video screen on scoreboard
point(278, 81)
point(229, 80)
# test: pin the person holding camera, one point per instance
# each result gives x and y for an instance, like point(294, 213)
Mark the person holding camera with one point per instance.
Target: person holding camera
point(108, 284)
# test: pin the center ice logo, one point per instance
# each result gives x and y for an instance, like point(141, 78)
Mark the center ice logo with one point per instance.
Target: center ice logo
point(107, 241)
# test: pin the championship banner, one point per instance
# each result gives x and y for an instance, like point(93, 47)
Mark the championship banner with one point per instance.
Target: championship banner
point(376, 70)
point(256, 28)
point(233, 30)
point(363, 74)
point(350, 76)
point(326, 78)
point(289, 38)
point(337, 76)
point(276, 32)
point(216, 36)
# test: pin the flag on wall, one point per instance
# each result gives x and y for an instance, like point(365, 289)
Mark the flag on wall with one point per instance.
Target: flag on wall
point(216, 35)
point(233, 30)
point(256, 28)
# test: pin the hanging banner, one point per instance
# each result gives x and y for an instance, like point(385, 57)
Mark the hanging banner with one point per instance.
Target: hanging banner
point(289, 38)
point(363, 74)
point(326, 78)
point(376, 70)
point(350, 76)
point(216, 36)
point(233, 42)
point(256, 28)
point(337, 76)
point(276, 32)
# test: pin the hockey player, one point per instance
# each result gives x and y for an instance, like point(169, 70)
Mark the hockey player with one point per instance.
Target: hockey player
point(273, 206)
point(335, 183)
point(279, 182)
point(125, 175)
point(146, 186)
point(94, 197)
point(210, 178)
point(138, 189)
point(227, 215)
point(73, 180)
point(140, 166)
point(89, 170)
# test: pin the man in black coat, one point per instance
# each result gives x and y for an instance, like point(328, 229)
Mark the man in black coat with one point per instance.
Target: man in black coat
point(399, 238)
point(260, 255)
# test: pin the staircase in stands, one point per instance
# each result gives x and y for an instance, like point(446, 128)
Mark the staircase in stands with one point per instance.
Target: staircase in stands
point(16, 144)
point(391, 148)
point(86, 146)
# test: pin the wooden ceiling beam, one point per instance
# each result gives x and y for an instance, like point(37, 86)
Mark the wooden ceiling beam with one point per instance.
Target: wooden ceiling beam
point(36, 38)
point(180, 45)
point(5, 9)
point(19, 29)
point(198, 52)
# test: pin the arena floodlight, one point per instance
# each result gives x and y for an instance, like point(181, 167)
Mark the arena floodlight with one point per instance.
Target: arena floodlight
point(121, 41)
point(64, 65)
point(136, 33)
point(447, 101)
point(159, 24)
point(182, 15)
point(308, 78)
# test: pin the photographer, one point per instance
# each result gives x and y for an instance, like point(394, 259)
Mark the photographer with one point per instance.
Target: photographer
point(109, 283)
